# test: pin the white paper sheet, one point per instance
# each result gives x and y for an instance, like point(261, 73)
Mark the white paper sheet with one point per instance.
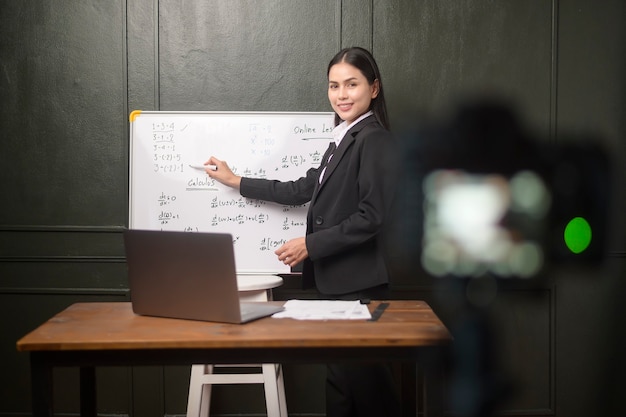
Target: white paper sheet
point(324, 310)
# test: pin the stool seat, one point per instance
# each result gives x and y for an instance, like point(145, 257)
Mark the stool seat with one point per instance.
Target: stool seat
point(258, 282)
point(251, 288)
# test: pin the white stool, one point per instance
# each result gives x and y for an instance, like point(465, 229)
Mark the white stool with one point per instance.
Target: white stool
point(251, 288)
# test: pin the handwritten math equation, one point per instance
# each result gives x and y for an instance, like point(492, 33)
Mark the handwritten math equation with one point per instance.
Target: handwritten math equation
point(165, 158)
point(223, 214)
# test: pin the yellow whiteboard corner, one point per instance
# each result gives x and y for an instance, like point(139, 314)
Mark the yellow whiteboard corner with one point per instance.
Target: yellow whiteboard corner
point(133, 115)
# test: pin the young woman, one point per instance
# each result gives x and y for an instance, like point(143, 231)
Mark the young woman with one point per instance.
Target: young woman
point(350, 197)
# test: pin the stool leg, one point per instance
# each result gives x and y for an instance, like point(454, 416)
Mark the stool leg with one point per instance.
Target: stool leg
point(281, 390)
point(199, 398)
point(271, 390)
point(205, 405)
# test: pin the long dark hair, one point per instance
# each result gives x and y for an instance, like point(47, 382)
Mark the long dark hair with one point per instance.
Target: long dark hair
point(363, 60)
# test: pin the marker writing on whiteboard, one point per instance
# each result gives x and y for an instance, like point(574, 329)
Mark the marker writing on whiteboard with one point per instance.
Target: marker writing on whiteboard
point(204, 167)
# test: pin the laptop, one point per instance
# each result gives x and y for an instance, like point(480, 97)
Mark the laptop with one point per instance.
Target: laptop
point(187, 275)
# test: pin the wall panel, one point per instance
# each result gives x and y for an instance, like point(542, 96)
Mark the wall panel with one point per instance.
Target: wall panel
point(63, 92)
point(239, 55)
point(356, 23)
point(49, 242)
point(142, 54)
point(433, 53)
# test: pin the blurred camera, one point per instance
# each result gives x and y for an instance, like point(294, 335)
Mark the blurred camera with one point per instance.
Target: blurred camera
point(484, 197)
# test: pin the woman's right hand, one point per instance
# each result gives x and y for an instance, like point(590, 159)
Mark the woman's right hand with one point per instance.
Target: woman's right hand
point(223, 173)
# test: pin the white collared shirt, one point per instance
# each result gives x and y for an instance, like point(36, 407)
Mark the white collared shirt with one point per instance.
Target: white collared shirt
point(338, 133)
point(342, 128)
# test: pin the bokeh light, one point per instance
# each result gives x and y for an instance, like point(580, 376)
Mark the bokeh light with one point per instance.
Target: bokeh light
point(577, 235)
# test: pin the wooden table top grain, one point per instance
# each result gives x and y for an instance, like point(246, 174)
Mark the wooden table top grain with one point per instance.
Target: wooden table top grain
point(113, 326)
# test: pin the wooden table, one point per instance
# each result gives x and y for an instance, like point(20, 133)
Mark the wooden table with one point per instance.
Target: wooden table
point(90, 335)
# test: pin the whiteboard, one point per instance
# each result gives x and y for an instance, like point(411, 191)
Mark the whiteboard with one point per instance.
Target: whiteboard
point(166, 193)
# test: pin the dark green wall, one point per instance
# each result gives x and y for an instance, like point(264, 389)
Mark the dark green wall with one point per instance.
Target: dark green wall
point(71, 72)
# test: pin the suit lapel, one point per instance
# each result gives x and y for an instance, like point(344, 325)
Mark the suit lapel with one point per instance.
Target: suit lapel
point(329, 151)
point(338, 154)
point(346, 142)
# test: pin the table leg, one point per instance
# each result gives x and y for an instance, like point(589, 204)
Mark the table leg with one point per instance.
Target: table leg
point(88, 405)
point(433, 391)
point(41, 386)
point(408, 389)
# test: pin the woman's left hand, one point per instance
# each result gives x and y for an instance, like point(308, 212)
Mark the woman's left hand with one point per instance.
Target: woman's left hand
point(293, 252)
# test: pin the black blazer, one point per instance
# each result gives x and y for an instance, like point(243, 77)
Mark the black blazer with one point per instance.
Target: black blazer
point(348, 209)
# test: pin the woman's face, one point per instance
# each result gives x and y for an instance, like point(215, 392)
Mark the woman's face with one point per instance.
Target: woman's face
point(349, 92)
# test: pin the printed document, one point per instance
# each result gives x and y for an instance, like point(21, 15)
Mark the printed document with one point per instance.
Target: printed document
point(324, 310)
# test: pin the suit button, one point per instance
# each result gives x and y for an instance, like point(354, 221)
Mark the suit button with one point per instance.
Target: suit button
point(319, 220)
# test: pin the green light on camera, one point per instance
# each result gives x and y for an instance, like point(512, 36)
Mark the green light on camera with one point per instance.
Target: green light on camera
point(577, 235)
